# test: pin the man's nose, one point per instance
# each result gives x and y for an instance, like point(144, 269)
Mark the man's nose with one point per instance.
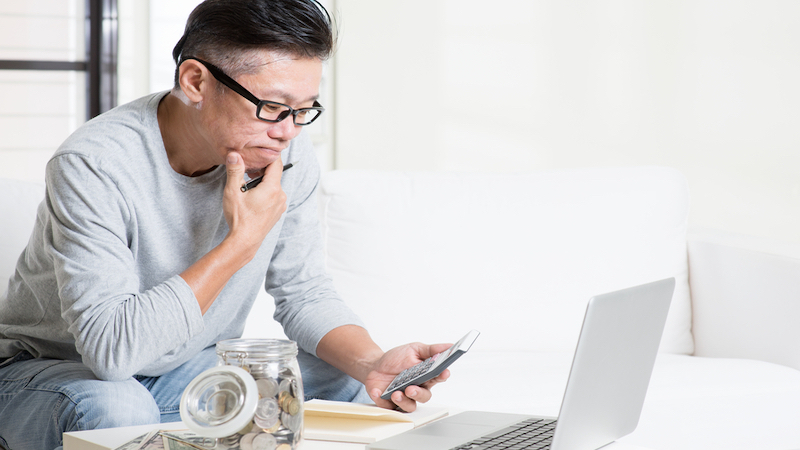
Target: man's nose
point(284, 130)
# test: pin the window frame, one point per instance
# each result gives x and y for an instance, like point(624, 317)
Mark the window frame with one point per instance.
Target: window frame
point(100, 65)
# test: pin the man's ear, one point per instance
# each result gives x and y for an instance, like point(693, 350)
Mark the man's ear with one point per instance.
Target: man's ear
point(193, 79)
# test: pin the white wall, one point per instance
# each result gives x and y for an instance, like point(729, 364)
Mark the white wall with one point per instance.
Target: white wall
point(707, 86)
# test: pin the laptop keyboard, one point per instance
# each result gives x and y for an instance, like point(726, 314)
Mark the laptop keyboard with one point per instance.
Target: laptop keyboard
point(532, 434)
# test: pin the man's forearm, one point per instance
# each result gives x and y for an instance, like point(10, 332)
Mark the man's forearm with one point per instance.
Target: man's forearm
point(208, 276)
point(350, 349)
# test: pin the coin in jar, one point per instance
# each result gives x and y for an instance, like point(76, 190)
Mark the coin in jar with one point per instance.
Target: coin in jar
point(267, 424)
point(287, 385)
point(267, 408)
point(267, 413)
point(257, 369)
point(267, 387)
point(246, 443)
point(289, 404)
point(264, 441)
point(283, 398)
point(274, 428)
point(292, 422)
point(228, 442)
point(284, 435)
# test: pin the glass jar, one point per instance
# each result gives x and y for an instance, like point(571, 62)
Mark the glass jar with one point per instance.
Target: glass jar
point(252, 400)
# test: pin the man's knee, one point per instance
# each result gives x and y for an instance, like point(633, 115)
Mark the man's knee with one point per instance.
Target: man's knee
point(43, 398)
point(107, 404)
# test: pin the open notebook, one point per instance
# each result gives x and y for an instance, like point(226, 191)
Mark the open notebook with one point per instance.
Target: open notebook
point(360, 423)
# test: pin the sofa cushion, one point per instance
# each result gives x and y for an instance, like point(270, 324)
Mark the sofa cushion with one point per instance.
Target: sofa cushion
point(696, 403)
point(19, 201)
point(692, 403)
point(428, 256)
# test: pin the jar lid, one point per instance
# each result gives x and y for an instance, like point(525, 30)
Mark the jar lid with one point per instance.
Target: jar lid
point(240, 351)
point(219, 402)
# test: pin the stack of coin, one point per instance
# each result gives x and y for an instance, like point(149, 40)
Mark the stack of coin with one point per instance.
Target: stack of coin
point(286, 439)
point(292, 422)
point(267, 413)
point(278, 420)
point(289, 404)
point(228, 442)
point(258, 441)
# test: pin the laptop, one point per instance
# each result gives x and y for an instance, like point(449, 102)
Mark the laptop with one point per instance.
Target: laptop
point(605, 391)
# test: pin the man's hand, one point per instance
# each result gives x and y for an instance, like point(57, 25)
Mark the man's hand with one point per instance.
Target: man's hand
point(350, 349)
point(252, 214)
point(395, 361)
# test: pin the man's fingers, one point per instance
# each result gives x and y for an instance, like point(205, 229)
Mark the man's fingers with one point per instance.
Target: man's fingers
point(403, 402)
point(418, 394)
point(274, 171)
point(441, 378)
point(233, 163)
point(375, 394)
point(426, 351)
point(235, 168)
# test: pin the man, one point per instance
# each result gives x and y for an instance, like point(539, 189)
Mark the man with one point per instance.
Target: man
point(146, 251)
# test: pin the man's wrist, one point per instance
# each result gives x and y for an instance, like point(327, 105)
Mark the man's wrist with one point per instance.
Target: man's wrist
point(350, 349)
point(367, 364)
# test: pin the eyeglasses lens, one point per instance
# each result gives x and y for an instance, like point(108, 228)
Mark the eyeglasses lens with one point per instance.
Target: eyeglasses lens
point(276, 112)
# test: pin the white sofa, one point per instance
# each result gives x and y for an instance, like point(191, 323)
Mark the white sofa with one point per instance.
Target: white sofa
point(429, 256)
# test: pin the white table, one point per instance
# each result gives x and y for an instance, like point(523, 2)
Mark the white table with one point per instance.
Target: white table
point(111, 438)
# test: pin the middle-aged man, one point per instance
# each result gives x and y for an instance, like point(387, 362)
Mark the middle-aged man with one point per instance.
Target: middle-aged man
point(146, 251)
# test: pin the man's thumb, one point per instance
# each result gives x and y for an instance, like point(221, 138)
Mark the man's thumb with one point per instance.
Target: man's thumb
point(234, 166)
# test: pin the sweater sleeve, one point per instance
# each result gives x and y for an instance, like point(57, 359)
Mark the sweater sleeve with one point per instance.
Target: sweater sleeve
point(118, 326)
point(306, 303)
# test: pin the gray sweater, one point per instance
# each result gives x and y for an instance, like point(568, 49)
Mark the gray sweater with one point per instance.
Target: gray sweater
point(98, 281)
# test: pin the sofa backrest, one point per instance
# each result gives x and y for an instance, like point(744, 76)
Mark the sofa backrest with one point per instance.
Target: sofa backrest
point(429, 256)
point(19, 201)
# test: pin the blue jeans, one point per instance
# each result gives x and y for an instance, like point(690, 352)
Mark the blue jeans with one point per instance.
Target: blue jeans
point(42, 398)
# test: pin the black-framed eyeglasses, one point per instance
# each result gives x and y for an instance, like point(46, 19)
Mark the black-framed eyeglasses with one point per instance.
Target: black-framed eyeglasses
point(266, 110)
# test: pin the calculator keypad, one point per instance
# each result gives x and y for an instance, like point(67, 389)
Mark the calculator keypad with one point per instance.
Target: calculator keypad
point(412, 372)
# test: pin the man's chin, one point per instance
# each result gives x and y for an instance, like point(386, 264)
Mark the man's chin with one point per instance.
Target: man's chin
point(256, 167)
point(253, 173)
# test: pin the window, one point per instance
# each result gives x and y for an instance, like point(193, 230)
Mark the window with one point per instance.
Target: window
point(57, 69)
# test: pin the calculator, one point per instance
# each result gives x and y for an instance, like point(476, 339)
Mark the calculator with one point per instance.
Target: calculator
point(431, 367)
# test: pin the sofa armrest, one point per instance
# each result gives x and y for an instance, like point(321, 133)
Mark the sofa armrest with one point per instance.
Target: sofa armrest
point(745, 297)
